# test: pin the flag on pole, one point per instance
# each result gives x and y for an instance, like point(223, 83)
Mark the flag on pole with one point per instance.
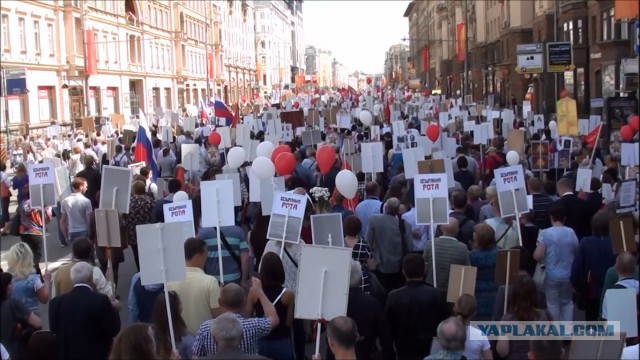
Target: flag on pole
point(592, 138)
point(221, 110)
point(144, 147)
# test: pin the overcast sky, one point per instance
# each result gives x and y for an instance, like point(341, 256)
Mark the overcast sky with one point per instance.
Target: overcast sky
point(357, 32)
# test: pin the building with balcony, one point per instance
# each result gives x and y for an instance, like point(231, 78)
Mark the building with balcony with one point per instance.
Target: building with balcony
point(278, 34)
point(238, 50)
point(396, 64)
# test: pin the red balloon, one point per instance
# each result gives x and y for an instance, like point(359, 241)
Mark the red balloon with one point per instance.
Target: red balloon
point(433, 132)
point(279, 150)
point(325, 157)
point(391, 98)
point(369, 80)
point(214, 138)
point(244, 99)
point(634, 122)
point(626, 133)
point(296, 105)
point(407, 97)
point(313, 101)
point(285, 163)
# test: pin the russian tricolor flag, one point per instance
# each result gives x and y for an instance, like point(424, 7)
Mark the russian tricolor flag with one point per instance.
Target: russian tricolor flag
point(221, 110)
point(144, 148)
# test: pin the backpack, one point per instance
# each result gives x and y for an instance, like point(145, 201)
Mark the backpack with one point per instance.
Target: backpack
point(149, 193)
point(118, 162)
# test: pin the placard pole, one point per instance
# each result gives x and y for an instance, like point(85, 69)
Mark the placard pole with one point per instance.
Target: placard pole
point(330, 240)
point(44, 228)
point(433, 243)
point(163, 268)
point(461, 282)
point(323, 272)
point(517, 219)
point(284, 233)
point(624, 240)
point(218, 237)
point(506, 284)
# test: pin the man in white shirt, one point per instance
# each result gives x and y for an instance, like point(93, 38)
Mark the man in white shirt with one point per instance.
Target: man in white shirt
point(152, 188)
point(419, 233)
point(76, 212)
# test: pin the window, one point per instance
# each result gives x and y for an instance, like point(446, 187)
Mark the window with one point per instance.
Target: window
point(36, 36)
point(46, 103)
point(624, 29)
point(114, 48)
point(51, 39)
point(167, 98)
point(22, 35)
point(161, 56)
point(579, 32)
point(607, 25)
point(5, 32)
point(104, 48)
point(592, 28)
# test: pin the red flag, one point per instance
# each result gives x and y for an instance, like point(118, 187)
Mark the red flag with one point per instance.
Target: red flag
point(236, 115)
point(91, 61)
point(592, 138)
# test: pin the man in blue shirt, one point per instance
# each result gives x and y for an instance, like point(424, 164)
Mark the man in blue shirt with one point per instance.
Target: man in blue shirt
point(235, 257)
point(369, 206)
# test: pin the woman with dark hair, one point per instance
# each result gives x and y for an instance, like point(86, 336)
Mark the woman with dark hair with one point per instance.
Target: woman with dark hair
point(17, 322)
point(140, 211)
point(258, 234)
point(591, 264)
point(160, 328)
point(483, 257)
point(276, 345)
point(134, 342)
point(523, 306)
point(360, 250)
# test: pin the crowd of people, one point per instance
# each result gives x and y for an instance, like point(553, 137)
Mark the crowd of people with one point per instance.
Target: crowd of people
point(394, 308)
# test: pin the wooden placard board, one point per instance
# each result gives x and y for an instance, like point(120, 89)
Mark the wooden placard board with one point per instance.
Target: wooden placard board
point(313, 117)
point(462, 280)
point(515, 141)
point(431, 166)
point(88, 125)
point(107, 227)
point(597, 349)
point(295, 118)
point(117, 121)
point(128, 137)
point(622, 236)
point(513, 257)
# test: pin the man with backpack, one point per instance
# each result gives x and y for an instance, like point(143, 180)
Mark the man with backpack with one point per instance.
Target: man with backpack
point(151, 187)
point(120, 159)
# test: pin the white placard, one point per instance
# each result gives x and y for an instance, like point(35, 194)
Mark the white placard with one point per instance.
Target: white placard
point(62, 183)
point(161, 249)
point(217, 210)
point(410, 158)
point(583, 126)
point(189, 123)
point(267, 188)
point(431, 189)
point(116, 180)
point(288, 204)
point(190, 156)
point(372, 157)
point(235, 179)
point(56, 162)
point(41, 174)
point(254, 185)
point(618, 304)
point(628, 154)
point(323, 284)
point(594, 121)
point(178, 211)
point(326, 230)
point(508, 178)
point(583, 180)
point(225, 136)
point(167, 134)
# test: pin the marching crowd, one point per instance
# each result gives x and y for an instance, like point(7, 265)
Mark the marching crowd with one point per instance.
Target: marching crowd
point(394, 308)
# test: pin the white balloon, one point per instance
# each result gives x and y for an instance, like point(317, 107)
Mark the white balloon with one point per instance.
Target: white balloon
point(265, 149)
point(236, 157)
point(180, 196)
point(361, 98)
point(553, 125)
point(513, 158)
point(263, 167)
point(366, 118)
point(347, 183)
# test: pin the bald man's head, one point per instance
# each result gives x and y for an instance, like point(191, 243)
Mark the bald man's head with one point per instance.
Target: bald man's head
point(232, 297)
point(450, 229)
point(342, 332)
point(300, 191)
point(626, 264)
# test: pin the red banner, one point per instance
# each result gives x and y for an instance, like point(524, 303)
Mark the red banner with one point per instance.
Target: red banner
point(210, 66)
point(91, 61)
point(461, 40)
point(425, 59)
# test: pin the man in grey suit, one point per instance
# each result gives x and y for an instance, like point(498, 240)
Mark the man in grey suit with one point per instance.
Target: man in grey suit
point(390, 240)
point(449, 250)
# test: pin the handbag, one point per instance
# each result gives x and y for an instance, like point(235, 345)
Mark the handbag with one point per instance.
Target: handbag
point(376, 286)
point(540, 275)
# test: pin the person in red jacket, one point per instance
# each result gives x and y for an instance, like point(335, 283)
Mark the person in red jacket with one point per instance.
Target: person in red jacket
point(491, 162)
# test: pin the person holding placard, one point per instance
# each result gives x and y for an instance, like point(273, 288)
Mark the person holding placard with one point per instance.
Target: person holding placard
point(477, 345)
point(414, 311)
point(76, 212)
point(199, 290)
point(505, 229)
point(32, 226)
point(448, 251)
point(575, 207)
point(557, 247)
point(93, 178)
point(235, 254)
point(160, 329)
point(232, 300)
point(276, 345)
point(483, 257)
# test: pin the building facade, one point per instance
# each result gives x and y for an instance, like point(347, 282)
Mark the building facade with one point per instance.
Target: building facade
point(279, 43)
point(238, 50)
point(339, 74)
point(325, 68)
point(396, 64)
point(99, 58)
point(311, 60)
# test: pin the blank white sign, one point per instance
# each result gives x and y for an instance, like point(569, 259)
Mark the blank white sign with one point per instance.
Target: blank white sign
point(217, 203)
point(161, 249)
